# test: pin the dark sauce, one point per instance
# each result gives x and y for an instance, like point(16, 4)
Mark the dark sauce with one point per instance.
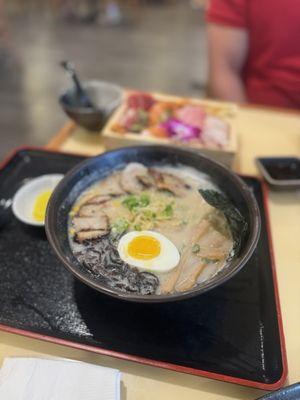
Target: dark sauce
point(286, 169)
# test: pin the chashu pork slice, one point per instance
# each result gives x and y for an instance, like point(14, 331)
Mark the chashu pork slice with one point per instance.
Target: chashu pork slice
point(87, 228)
point(135, 178)
point(89, 235)
point(91, 210)
point(169, 182)
point(96, 222)
point(97, 199)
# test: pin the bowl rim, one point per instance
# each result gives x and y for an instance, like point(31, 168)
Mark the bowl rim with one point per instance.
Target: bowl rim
point(254, 216)
point(90, 110)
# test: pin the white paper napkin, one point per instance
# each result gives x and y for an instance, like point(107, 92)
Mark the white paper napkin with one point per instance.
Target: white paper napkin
point(42, 379)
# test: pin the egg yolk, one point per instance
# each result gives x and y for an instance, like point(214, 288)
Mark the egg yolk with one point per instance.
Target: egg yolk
point(40, 205)
point(144, 247)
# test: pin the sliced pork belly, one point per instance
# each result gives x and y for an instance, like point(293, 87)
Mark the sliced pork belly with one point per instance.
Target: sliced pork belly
point(90, 210)
point(147, 180)
point(98, 222)
point(90, 227)
point(89, 235)
point(214, 245)
point(190, 274)
point(134, 178)
point(189, 267)
point(99, 199)
point(169, 182)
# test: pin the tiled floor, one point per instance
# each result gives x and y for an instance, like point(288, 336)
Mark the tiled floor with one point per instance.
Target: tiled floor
point(160, 48)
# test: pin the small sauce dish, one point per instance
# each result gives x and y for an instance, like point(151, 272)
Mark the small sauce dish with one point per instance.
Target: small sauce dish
point(281, 173)
point(30, 202)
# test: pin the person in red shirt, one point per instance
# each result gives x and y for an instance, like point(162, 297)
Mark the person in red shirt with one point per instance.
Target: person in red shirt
point(254, 51)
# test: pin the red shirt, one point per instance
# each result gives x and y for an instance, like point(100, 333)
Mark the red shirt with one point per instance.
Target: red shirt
point(272, 69)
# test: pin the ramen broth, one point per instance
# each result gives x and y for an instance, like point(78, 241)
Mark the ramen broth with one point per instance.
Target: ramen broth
point(165, 200)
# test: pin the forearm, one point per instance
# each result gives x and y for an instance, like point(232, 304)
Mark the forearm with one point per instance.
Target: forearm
point(227, 85)
point(228, 48)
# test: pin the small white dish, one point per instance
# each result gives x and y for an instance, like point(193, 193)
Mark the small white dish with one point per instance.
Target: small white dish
point(24, 199)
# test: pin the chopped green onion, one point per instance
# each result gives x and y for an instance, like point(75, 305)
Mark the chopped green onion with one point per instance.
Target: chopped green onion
point(168, 211)
point(120, 226)
point(196, 248)
point(137, 227)
point(130, 202)
point(205, 260)
point(208, 260)
point(144, 200)
point(148, 214)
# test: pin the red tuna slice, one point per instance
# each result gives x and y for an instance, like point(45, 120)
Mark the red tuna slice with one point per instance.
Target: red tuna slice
point(140, 100)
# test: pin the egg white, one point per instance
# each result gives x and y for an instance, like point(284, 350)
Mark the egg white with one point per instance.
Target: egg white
point(167, 260)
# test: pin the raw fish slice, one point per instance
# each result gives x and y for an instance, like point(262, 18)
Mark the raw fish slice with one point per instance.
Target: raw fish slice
point(160, 112)
point(215, 132)
point(140, 100)
point(191, 115)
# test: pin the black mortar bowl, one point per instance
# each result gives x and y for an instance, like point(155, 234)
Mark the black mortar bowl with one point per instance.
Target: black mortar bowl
point(105, 96)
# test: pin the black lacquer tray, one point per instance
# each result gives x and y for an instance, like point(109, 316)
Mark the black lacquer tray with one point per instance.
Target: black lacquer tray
point(232, 333)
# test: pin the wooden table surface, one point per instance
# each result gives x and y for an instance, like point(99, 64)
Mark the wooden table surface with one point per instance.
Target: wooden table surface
point(260, 132)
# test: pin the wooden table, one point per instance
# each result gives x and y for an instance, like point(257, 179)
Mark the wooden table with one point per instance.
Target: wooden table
point(261, 132)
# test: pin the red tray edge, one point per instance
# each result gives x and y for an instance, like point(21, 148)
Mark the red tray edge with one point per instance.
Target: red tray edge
point(173, 367)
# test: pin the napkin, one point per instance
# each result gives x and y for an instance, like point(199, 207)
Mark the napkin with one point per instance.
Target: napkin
point(43, 379)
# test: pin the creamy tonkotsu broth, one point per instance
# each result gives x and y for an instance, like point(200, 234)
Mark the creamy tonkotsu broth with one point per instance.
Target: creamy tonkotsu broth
point(148, 208)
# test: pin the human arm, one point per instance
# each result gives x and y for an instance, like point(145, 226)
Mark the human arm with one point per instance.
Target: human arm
point(227, 52)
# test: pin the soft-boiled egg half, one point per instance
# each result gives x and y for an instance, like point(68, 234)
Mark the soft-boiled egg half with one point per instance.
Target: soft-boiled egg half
point(148, 251)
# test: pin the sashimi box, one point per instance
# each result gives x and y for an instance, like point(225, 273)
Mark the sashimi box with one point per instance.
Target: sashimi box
point(205, 126)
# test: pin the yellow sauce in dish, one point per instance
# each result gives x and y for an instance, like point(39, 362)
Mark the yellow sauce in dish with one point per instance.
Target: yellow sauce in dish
point(40, 205)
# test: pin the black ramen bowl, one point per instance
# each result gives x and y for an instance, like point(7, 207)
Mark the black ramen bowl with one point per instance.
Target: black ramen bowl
point(94, 169)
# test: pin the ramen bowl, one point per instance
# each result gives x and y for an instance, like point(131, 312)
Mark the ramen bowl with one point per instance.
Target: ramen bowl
point(85, 174)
